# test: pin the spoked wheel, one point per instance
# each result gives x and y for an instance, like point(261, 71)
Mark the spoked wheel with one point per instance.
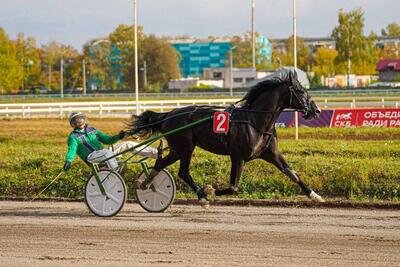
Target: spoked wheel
point(115, 194)
point(159, 195)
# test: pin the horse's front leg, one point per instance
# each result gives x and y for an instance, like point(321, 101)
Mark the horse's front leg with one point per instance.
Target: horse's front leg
point(272, 155)
point(236, 171)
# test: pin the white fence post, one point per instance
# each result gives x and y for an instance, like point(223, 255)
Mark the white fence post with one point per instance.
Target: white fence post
point(101, 111)
point(383, 102)
point(23, 111)
point(61, 111)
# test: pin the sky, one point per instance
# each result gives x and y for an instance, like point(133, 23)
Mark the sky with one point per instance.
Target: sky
point(74, 22)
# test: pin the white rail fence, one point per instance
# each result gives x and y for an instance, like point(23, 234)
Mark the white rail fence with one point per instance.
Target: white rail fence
point(126, 108)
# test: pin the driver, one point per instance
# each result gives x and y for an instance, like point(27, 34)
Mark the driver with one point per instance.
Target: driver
point(87, 142)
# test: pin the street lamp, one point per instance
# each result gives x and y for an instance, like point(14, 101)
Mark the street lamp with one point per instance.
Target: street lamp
point(91, 50)
point(26, 78)
point(231, 71)
point(296, 114)
point(253, 32)
point(136, 58)
point(144, 69)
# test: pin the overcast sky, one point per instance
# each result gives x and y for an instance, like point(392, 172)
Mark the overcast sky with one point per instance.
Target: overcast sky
point(76, 21)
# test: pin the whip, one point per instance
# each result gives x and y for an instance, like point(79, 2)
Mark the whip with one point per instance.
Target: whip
point(58, 176)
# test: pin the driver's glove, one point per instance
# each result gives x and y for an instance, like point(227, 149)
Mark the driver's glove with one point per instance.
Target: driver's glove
point(67, 166)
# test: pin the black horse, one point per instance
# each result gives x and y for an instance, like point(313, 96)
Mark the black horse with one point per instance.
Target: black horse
point(252, 133)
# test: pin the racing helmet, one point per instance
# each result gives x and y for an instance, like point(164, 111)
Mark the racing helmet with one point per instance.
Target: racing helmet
point(76, 118)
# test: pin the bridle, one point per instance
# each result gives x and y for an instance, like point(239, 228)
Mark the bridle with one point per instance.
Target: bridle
point(294, 95)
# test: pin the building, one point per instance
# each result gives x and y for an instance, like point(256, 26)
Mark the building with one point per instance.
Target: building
point(389, 70)
point(313, 44)
point(199, 54)
point(239, 78)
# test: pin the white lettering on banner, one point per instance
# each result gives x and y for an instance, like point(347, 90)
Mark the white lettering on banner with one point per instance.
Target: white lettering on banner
point(342, 123)
point(394, 123)
point(375, 123)
point(382, 115)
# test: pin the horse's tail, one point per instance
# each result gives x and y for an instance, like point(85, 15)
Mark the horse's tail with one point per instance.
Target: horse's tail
point(146, 123)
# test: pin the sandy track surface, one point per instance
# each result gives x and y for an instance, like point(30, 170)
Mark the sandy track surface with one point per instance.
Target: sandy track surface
point(50, 234)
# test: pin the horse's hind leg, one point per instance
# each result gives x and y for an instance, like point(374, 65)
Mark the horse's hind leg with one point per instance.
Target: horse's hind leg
point(236, 171)
point(185, 175)
point(272, 155)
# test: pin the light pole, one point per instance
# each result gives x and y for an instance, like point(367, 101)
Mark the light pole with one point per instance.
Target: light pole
point(62, 76)
point(253, 32)
point(136, 58)
point(348, 54)
point(296, 114)
point(91, 48)
point(84, 76)
point(231, 71)
point(144, 69)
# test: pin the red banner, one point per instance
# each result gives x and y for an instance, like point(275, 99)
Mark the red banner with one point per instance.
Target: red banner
point(389, 117)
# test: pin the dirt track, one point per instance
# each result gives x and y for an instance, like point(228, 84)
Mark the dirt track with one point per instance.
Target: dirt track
point(44, 233)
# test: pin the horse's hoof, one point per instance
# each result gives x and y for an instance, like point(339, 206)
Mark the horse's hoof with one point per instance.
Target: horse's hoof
point(140, 184)
point(137, 184)
point(315, 197)
point(204, 203)
point(209, 190)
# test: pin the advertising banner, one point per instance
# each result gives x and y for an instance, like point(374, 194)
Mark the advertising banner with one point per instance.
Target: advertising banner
point(385, 117)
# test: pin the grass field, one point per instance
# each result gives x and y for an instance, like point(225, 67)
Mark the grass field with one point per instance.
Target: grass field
point(356, 163)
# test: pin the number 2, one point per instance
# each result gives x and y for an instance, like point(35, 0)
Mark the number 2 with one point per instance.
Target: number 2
point(221, 118)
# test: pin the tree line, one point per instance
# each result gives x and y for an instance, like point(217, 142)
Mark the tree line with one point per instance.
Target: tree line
point(109, 61)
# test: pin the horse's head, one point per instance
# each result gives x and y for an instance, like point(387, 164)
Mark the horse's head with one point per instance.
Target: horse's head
point(300, 99)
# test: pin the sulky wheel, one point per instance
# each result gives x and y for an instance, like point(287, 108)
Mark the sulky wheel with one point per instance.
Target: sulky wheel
point(115, 194)
point(160, 193)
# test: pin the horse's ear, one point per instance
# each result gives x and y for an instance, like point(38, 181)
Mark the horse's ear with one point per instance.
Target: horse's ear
point(294, 74)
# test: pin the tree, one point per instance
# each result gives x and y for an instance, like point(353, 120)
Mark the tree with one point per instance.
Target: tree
point(356, 52)
point(243, 53)
point(324, 64)
point(51, 55)
point(304, 58)
point(11, 72)
point(123, 38)
point(392, 29)
point(389, 50)
point(28, 56)
point(161, 58)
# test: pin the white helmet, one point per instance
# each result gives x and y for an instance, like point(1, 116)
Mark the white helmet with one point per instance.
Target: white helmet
point(75, 119)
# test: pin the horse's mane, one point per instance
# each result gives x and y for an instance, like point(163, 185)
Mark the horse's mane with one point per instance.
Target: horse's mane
point(255, 91)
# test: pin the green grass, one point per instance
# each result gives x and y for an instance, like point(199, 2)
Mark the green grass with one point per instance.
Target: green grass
point(356, 163)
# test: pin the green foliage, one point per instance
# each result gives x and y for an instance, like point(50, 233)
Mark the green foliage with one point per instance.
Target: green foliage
point(304, 59)
point(201, 88)
point(392, 29)
point(11, 71)
point(161, 58)
point(28, 56)
point(352, 45)
point(325, 62)
point(51, 56)
point(153, 88)
point(242, 56)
